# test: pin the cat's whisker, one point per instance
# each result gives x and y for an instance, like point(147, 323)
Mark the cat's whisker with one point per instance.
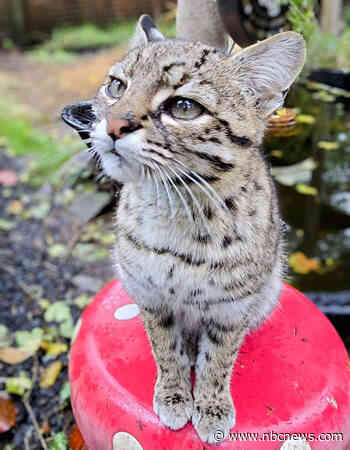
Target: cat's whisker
point(220, 200)
point(183, 200)
point(156, 184)
point(202, 188)
point(169, 195)
point(193, 197)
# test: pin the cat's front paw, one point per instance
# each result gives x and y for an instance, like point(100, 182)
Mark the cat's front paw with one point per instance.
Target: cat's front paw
point(174, 406)
point(213, 419)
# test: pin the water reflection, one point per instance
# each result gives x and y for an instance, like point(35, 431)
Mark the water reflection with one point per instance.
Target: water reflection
point(317, 156)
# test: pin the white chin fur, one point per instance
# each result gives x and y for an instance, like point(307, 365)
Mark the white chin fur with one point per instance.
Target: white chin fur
point(123, 167)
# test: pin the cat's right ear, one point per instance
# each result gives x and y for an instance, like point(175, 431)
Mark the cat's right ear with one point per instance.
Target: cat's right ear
point(146, 31)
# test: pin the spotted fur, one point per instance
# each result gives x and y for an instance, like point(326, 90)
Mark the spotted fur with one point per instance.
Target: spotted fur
point(199, 245)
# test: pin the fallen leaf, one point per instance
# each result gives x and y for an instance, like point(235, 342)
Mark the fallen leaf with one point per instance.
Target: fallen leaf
point(57, 312)
point(8, 413)
point(45, 428)
point(54, 348)
point(67, 328)
point(18, 385)
point(8, 177)
point(65, 392)
point(44, 304)
point(50, 374)
point(39, 211)
point(5, 337)
point(327, 145)
point(30, 340)
point(76, 441)
point(306, 118)
point(15, 355)
point(300, 263)
point(57, 250)
point(306, 190)
point(59, 442)
point(15, 207)
point(6, 225)
point(82, 301)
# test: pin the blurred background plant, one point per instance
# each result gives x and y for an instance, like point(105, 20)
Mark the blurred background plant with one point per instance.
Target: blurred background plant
point(328, 40)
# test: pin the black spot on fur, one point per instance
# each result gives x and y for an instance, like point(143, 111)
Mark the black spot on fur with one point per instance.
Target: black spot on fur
point(202, 60)
point(230, 203)
point(227, 240)
point(215, 140)
point(173, 345)
point(215, 161)
point(167, 321)
point(244, 188)
point(207, 357)
point(214, 336)
point(207, 211)
point(170, 66)
point(196, 292)
point(144, 117)
point(217, 265)
point(202, 238)
point(171, 272)
point(242, 141)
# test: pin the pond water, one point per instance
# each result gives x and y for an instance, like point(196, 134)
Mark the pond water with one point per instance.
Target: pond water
point(312, 169)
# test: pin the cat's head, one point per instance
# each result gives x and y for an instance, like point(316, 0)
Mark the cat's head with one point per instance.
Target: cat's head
point(171, 105)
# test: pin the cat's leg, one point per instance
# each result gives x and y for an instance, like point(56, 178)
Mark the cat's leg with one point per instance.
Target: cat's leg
point(214, 412)
point(172, 401)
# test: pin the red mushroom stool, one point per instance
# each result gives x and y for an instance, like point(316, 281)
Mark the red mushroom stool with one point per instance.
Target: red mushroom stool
point(290, 384)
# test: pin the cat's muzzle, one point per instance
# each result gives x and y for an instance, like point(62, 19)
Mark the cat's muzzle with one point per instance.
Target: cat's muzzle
point(81, 117)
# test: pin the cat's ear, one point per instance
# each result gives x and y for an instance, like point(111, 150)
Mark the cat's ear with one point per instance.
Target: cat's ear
point(146, 31)
point(267, 69)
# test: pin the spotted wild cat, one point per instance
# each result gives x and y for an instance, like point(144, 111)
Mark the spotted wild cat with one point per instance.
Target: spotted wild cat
point(198, 241)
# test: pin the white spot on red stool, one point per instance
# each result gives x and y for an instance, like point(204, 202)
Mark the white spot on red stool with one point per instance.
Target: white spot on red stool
point(127, 312)
point(296, 444)
point(125, 441)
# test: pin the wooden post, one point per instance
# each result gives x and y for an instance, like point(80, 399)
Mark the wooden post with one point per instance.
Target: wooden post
point(331, 15)
point(17, 21)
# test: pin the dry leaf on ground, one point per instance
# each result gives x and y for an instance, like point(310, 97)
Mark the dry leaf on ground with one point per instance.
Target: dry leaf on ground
point(76, 441)
point(8, 413)
point(50, 374)
point(8, 177)
point(15, 355)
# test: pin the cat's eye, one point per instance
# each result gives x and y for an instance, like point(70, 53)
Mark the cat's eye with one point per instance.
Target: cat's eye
point(115, 88)
point(184, 108)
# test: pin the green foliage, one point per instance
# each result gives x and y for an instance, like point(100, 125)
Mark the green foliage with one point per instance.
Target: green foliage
point(324, 49)
point(66, 42)
point(22, 138)
point(59, 442)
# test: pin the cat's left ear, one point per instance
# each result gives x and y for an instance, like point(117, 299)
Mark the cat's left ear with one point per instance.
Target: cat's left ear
point(267, 69)
point(146, 31)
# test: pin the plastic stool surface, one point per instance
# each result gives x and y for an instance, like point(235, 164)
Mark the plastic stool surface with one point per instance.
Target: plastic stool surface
point(292, 376)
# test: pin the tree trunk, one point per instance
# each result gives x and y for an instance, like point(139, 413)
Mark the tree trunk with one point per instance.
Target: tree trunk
point(17, 21)
point(331, 15)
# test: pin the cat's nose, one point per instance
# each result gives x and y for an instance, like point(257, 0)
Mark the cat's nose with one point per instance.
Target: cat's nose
point(116, 128)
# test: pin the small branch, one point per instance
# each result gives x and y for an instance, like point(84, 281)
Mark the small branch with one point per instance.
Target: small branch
point(35, 423)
